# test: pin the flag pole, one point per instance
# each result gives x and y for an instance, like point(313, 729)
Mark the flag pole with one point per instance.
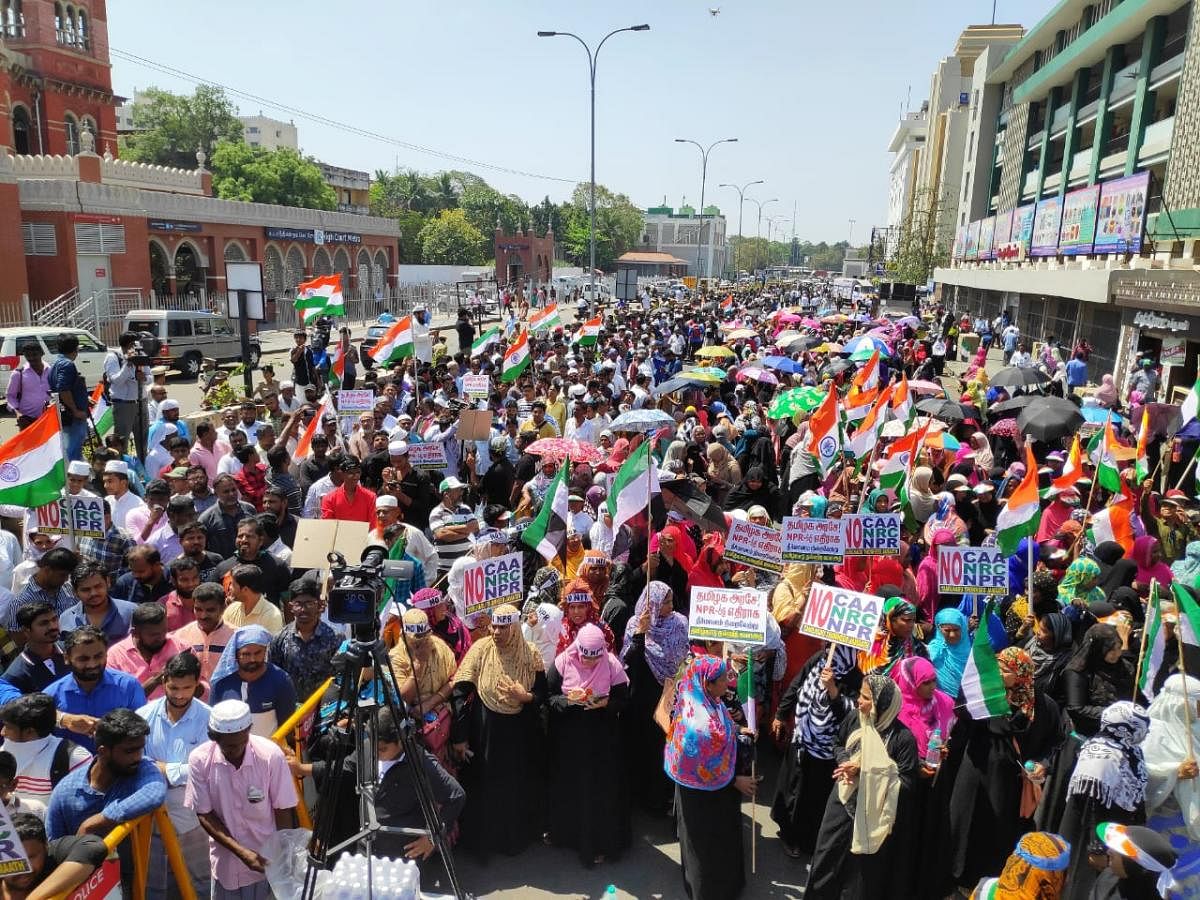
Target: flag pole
point(1191, 462)
point(1137, 677)
point(1187, 701)
point(63, 495)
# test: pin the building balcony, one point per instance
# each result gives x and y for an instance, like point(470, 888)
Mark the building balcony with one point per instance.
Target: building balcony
point(1113, 164)
point(1124, 85)
point(1035, 140)
point(1029, 185)
point(1157, 141)
point(1052, 182)
point(1081, 165)
point(1059, 120)
point(1166, 71)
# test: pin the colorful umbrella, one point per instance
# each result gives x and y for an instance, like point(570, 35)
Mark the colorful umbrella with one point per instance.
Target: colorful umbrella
point(560, 448)
point(925, 387)
point(828, 347)
point(835, 319)
point(862, 354)
point(797, 400)
point(942, 440)
point(741, 334)
point(757, 373)
point(790, 318)
point(865, 342)
point(708, 372)
point(810, 323)
point(714, 351)
point(783, 364)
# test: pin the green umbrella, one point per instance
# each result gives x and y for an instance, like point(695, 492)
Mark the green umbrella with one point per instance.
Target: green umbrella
point(804, 399)
point(863, 353)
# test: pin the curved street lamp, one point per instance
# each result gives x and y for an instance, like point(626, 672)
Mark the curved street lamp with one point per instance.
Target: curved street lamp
point(703, 176)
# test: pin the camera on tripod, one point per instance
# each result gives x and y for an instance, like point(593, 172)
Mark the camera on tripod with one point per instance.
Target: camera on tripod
point(357, 591)
point(137, 354)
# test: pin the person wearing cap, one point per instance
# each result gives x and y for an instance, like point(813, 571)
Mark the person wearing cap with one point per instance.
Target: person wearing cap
point(244, 672)
point(28, 392)
point(158, 456)
point(158, 393)
point(579, 519)
point(414, 546)
point(121, 501)
point(304, 362)
point(288, 401)
point(496, 484)
point(452, 523)
point(305, 648)
point(239, 786)
point(506, 676)
point(350, 501)
point(1139, 865)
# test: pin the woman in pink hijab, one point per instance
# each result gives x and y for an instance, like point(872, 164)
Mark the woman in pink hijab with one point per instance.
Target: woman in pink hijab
point(927, 576)
point(1147, 553)
point(924, 707)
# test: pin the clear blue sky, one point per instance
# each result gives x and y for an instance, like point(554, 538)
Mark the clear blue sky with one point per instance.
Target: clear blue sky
point(812, 90)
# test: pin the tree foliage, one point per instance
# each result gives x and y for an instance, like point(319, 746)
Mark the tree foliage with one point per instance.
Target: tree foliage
point(618, 225)
point(920, 248)
point(242, 172)
point(170, 128)
point(451, 239)
point(749, 253)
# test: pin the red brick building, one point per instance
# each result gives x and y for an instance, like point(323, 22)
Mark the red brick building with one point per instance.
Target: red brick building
point(74, 217)
point(522, 256)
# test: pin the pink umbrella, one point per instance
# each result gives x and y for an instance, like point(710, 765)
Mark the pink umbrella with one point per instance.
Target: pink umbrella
point(925, 387)
point(810, 323)
point(560, 448)
point(758, 373)
point(790, 317)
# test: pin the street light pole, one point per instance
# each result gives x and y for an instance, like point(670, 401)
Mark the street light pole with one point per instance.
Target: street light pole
point(760, 205)
point(850, 238)
point(741, 202)
point(771, 220)
point(703, 177)
point(592, 58)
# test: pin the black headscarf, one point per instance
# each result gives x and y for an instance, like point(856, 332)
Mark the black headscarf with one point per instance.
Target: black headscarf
point(1097, 642)
point(1115, 570)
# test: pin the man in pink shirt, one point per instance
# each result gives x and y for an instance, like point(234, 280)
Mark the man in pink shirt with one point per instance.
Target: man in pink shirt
point(208, 635)
point(240, 788)
point(144, 654)
point(208, 450)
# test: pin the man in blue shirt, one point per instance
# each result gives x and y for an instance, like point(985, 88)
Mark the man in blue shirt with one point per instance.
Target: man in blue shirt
point(1077, 371)
point(118, 786)
point(113, 617)
point(49, 584)
point(92, 689)
point(72, 394)
point(244, 673)
point(41, 662)
point(178, 725)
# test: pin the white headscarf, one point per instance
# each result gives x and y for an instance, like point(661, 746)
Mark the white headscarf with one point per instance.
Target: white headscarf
point(1166, 746)
point(544, 635)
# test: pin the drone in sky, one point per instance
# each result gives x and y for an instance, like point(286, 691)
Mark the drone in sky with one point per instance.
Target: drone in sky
point(714, 10)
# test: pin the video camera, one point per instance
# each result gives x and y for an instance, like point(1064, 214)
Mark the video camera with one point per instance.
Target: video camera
point(357, 591)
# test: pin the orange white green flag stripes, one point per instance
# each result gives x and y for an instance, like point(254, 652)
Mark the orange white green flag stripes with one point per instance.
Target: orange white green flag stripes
point(516, 358)
point(102, 413)
point(396, 343)
point(825, 433)
point(32, 469)
point(868, 376)
point(1115, 522)
point(1107, 473)
point(544, 319)
point(901, 400)
point(1141, 460)
point(866, 436)
point(1072, 469)
point(1022, 513)
point(305, 443)
point(322, 296)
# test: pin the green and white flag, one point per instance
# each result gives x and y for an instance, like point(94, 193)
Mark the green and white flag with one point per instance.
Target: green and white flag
point(635, 483)
point(547, 534)
point(1156, 643)
point(485, 340)
point(982, 683)
point(1189, 615)
point(1190, 408)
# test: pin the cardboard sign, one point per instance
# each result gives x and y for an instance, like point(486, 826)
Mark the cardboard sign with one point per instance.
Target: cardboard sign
point(87, 517)
point(427, 457)
point(491, 582)
point(315, 538)
point(13, 860)
point(972, 570)
point(808, 540)
point(474, 425)
point(351, 403)
point(477, 387)
point(728, 614)
point(104, 883)
point(871, 534)
point(841, 616)
point(753, 545)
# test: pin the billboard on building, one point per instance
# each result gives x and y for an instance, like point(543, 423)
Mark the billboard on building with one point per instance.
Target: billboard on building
point(1003, 231)
point(1122, 214)
point(1046, 221)
point(960, 241)
point(1078, 229)
point(971, 251)
point(1022, 224)
point(987, 229)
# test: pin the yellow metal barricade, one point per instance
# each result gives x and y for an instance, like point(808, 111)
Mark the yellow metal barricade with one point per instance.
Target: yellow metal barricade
point(290, 729)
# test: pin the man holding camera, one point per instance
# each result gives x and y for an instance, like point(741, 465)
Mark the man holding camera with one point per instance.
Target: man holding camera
point(126, 386)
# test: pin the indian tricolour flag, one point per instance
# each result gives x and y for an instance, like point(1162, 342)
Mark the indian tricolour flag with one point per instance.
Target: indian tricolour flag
point(901, 400)
point(1115, 522)
point(587, 334)
point(866, 436)
point(485, 340)
point(982, 683)
point(102, 414)
point(1107, 469)
point(635, 483)
point(727, 304)
point(544, 319)
point(1073, 469)
point(1190, 408)
point(1155, 643)
point(547, 533)
point(898, 459)
point(1023, 512)
point(516, 358)
point(1141, 460)
point(858, 403)
point(304, 445)
point(396, 343)
point(825, 433)
point(868, 376)
point(320, 297)
point(32, 470)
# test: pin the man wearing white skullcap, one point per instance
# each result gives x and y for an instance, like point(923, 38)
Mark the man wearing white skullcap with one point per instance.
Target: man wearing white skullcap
point(240, 788)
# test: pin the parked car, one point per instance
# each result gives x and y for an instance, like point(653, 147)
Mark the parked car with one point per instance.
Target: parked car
point(13, 342)
point(183, 338)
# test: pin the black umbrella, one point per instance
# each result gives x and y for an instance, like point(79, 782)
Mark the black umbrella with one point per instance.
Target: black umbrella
point(683, 496)
point(835, 366)
point(1014, 376)
point(1049, 418)
point(1010, 409)
point(946, 410)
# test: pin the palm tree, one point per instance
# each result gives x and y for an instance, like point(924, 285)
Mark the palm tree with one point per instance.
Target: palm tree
point(412, 193)
point(445, 195)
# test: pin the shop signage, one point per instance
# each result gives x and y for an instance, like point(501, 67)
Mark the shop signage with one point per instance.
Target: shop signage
point(510, 246)
point(1146, 319)
point(1010, 251)
point(174, 227)
point(1161, 290)
point(94, 219)
point(312, 236)
point(1173, 352)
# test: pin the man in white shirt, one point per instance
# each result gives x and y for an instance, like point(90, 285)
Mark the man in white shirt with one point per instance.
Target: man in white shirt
point(422, 343)
point(288, 401)
point(121, 500)
point(126, 387)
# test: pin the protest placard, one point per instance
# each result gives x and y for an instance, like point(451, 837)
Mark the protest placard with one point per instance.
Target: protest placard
point(13, 859)
point(477, 387)
point(808, 540)
point(972, 570)
point(351, 403)
point(87, 517)
point(427, 457)
point(491, 582)
point(841, 616)
point(728, 614)
point(756, 546)
point(871, 534)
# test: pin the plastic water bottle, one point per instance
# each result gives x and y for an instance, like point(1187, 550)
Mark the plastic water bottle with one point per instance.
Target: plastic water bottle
point(933, 755)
